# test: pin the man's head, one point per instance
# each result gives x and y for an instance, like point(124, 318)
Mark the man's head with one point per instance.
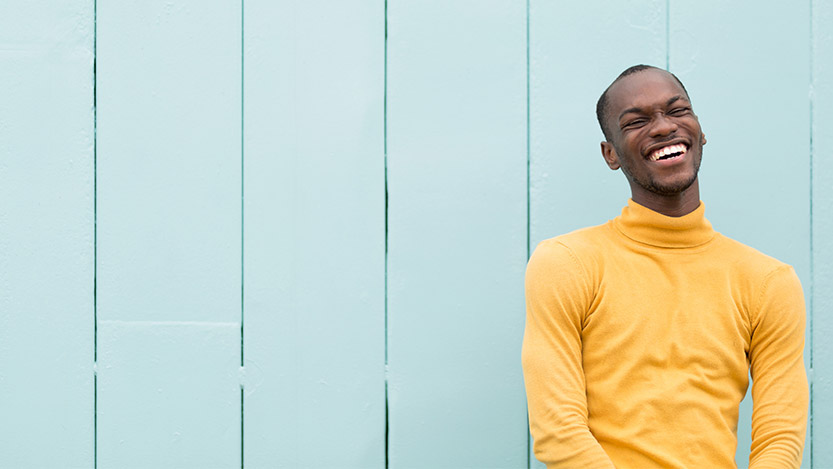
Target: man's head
point(603, 104)
point(651, 131)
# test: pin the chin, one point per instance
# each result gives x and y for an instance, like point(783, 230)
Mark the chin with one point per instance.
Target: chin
point(672, 187)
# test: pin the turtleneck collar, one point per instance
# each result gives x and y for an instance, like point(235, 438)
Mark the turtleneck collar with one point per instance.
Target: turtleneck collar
point(646, 226)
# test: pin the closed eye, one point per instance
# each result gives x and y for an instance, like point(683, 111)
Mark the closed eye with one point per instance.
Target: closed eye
point(634, 123)
point(679, 111)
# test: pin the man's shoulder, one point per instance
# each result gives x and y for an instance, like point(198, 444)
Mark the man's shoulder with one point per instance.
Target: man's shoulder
point(748, 260)
point(567, 257)
point(579, 243)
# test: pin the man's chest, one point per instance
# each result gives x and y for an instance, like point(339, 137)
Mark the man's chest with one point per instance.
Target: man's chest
point(669, 313)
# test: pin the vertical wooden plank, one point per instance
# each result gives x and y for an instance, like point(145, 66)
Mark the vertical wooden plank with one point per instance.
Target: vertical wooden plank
point(822, 280)
point(169, 141)
point(314, 234)
point(749, 84)
point(457, 233)
point(575, 53)
point(46, 234)
point(168, 394)
point(169, 243)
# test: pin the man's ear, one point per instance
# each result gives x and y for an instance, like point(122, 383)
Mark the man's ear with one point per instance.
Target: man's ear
point(610, 156)
point(702, 139)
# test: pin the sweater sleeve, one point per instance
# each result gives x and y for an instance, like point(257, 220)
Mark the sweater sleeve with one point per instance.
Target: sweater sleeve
point(779, 382)
point(558, 296)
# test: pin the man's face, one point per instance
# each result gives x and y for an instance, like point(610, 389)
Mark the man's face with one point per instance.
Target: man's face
point(655, 136)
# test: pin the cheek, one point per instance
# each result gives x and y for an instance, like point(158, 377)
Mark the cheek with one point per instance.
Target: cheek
point(632, 153)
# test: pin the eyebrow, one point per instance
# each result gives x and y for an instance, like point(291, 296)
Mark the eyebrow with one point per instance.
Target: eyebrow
point(638, 110)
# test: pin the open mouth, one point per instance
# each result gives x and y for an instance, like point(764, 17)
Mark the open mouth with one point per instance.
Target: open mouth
point(668, 152)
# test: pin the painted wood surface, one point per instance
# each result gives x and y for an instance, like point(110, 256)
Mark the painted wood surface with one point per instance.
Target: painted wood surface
point(314, 234)
point(456, 139)
point(822, 247)
point(245, 204)
point(46, 234)
point(568, 70)
point(169, 242)
point(168, 394)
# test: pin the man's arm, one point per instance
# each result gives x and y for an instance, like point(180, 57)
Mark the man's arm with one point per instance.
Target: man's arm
point(558, 294)
point(779, 382)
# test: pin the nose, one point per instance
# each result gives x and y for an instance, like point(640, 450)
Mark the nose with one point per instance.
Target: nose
point(663, 125)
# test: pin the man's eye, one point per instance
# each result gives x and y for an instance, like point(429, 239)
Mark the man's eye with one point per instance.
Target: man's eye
point(634, 123)
point(679, 111)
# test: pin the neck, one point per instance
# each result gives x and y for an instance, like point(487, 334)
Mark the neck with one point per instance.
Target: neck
point(675, 205)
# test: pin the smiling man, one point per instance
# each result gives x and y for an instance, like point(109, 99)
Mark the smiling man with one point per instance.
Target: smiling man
point(641, 332)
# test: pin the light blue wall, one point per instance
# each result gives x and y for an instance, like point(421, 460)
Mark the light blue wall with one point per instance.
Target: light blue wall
point(293, 233)
point(456, 156)
point(47, 234)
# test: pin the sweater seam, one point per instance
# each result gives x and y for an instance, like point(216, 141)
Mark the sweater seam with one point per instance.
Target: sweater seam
point(761, 293)
point(586, 276)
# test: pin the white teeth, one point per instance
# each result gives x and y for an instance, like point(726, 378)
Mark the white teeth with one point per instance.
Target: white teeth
point(677, 148)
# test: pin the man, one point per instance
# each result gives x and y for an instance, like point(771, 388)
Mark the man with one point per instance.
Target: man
point(641, 332)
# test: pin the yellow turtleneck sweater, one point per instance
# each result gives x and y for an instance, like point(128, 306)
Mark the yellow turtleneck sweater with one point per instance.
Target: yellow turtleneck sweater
point(639, 337)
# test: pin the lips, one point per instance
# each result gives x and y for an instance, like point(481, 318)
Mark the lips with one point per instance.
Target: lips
point(668, 151)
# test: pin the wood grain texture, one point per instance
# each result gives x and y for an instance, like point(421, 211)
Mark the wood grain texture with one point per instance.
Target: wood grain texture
point(46, 234)
point(457, 233)
point(314, 234)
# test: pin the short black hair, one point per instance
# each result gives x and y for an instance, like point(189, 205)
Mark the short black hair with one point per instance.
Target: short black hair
point(602, 105)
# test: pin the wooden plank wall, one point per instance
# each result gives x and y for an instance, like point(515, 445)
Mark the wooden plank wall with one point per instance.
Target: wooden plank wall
point(314, 231)
point(456, 141)
point(822, 234)
point(46, 234)
point(293, 234)
point(168, 89)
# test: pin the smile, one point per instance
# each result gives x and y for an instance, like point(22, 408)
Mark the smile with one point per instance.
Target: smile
point(671, 151)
